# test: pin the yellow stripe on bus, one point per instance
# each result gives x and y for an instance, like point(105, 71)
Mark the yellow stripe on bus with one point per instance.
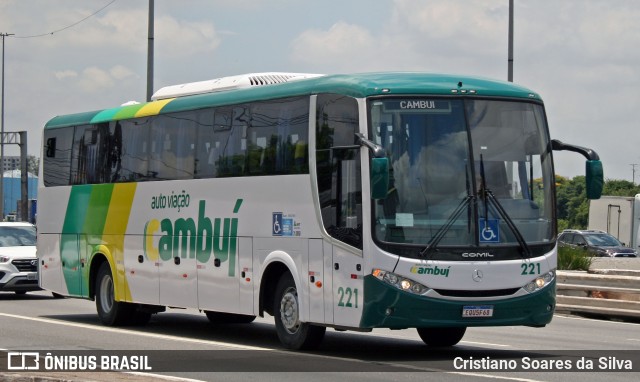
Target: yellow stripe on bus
point(114, 234)
point(152, 108)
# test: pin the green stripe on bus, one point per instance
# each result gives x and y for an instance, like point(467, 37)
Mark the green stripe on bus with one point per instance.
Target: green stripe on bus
point(97, 209)
point(105, 115)
point(128, 111)
point(70, 240)
point(70, 120)
point(83, 227)
point(77, 209)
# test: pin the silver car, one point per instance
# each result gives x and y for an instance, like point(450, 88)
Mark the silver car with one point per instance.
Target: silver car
point(18, 261)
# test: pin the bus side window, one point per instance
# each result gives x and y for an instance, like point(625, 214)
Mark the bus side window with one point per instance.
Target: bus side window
point(57, 161)
point(172, 141)
point(221, 137)
point(90, 155)
point(205, 145)
point(135, 150)
point(278, 137)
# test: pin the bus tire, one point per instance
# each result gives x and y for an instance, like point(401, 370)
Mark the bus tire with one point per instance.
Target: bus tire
point(229, 318)
point(441, 337)
point(110, 311)
point(292, 333)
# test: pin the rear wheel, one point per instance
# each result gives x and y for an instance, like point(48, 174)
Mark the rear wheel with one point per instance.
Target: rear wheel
point(292, 333)
point(110, 311)
point(229, 318)
point(441, 337)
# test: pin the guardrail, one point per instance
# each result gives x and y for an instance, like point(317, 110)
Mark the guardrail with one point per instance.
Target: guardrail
point(607, 292)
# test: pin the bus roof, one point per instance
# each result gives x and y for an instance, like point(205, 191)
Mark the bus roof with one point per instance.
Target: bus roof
point(354, 85)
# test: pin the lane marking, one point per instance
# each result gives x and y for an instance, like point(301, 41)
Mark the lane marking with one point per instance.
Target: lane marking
point(593, 319)
point(163, 377)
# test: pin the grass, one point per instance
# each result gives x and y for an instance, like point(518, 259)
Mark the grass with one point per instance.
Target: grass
point(570, 259)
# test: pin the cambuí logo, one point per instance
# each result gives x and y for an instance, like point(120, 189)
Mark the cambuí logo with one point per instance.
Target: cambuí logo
point(428, 270)
point(187, 238)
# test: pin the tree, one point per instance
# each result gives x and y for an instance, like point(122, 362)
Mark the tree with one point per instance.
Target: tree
point(620, 188)
point(33, 164)
point(572, 206)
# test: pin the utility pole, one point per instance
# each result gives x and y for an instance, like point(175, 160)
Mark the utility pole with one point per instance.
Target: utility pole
point(510, 59)
point(633, 171)
point(3, 35)
point(150, 53)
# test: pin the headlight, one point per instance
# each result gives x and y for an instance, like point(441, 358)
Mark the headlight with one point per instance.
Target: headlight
point(540, 281)
point(4, 259)
point(400, 282)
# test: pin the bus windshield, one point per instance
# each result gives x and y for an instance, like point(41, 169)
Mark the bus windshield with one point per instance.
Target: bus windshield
point(444, 153)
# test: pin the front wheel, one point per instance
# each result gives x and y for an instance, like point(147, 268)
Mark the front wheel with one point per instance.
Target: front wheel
point(441, 337)
point(110, 311)
point(292, 333)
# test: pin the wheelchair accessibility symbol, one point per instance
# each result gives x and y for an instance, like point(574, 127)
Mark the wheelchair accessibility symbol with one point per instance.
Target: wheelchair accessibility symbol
point(489, 231)
point(282, 225)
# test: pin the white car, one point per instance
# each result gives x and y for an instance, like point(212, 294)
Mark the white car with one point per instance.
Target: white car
point(18, 260)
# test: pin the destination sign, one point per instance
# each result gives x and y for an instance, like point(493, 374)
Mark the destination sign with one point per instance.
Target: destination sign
point(419, 105)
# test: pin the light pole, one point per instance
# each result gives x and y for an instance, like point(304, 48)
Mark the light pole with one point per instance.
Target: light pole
point(510, 58)
point(3, 35)
point(633, 173)
point(150, 53)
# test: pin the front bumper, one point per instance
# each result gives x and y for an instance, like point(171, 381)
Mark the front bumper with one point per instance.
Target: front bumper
point(388, 307)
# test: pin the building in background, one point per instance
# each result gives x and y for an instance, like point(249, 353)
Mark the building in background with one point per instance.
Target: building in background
point(11, 163)
point(12, 193)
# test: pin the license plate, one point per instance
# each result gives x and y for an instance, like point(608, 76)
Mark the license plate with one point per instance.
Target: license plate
point(477, 311)
point(32, 276)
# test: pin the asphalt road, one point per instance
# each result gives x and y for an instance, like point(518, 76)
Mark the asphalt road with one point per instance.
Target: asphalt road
point(191, 348)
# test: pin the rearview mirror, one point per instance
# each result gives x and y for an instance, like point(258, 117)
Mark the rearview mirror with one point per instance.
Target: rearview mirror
point(595, 179)
point(594, 173)
point(379, 178)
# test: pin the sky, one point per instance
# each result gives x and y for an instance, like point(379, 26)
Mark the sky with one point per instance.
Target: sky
point(581, 56)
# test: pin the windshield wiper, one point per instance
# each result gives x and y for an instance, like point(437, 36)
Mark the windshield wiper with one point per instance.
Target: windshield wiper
point(487, 196)
point(433, 243)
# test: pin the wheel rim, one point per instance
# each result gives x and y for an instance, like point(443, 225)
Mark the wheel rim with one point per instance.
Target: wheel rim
point(106, 294)
point(289, 311)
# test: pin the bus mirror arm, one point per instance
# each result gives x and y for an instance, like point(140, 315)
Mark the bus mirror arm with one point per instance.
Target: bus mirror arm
point(376, 150)
point(586, 152)
point(593, 174)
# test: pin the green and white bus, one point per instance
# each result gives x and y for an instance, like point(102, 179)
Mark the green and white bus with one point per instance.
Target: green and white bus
point(380, 200)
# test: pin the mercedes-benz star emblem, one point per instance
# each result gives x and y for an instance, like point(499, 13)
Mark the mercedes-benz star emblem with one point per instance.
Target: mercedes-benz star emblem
point(477, 275)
